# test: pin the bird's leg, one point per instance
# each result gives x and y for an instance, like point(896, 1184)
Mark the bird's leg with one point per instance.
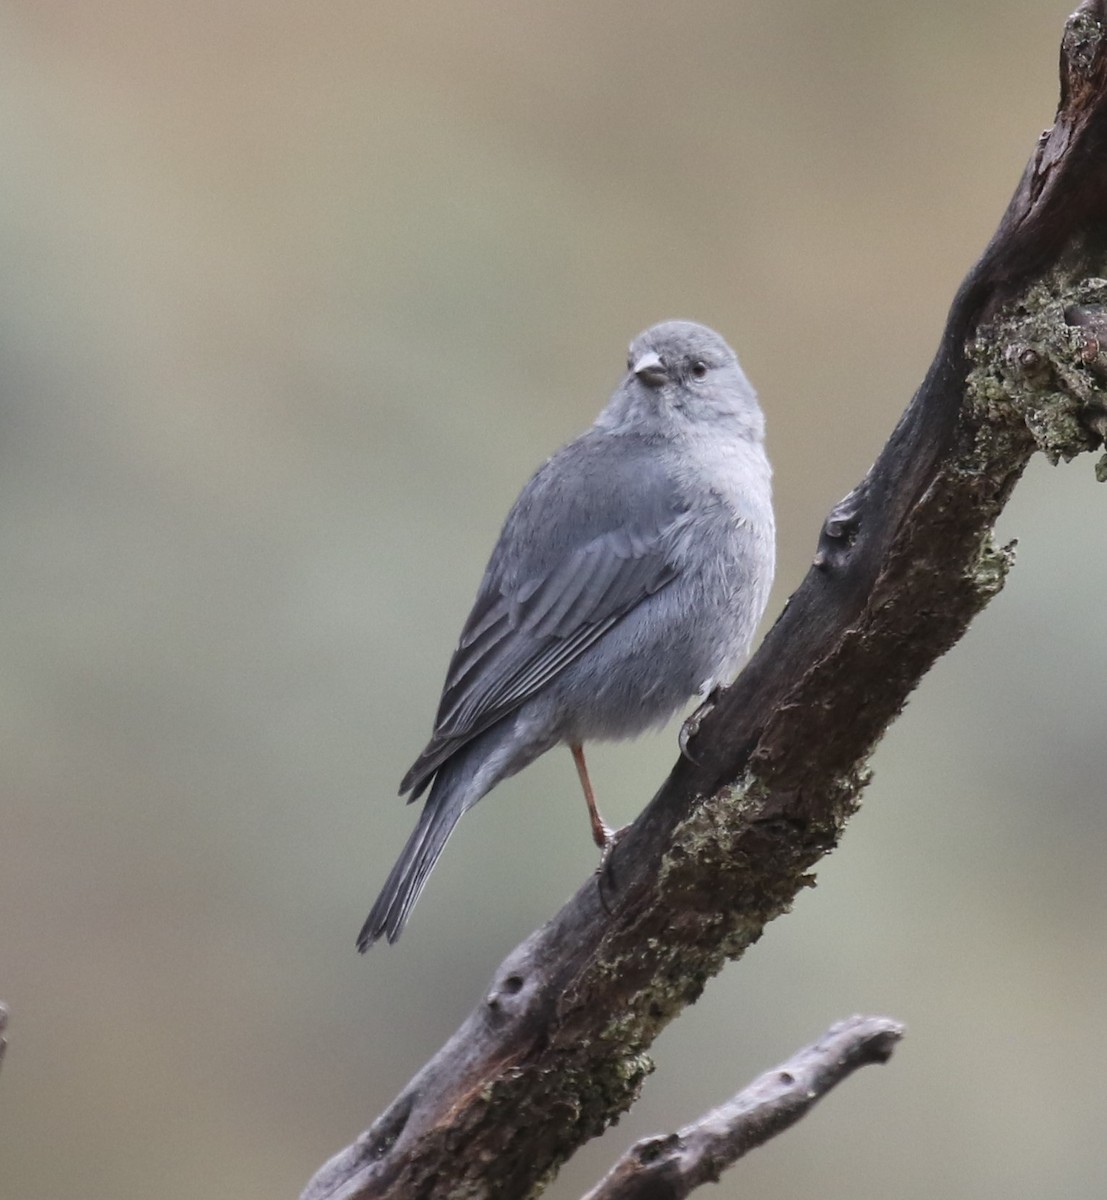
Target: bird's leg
point(602, 833)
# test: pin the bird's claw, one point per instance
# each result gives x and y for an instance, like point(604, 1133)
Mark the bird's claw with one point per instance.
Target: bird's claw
point(604, 873)
point(692, 726)
point(611, 838)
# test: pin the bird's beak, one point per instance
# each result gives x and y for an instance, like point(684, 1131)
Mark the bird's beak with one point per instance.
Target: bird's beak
point(651, 370)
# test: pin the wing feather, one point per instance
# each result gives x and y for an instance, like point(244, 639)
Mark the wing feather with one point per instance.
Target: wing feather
point(537, 611)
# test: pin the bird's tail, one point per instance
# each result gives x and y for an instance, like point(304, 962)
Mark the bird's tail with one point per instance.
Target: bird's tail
point(441, 812)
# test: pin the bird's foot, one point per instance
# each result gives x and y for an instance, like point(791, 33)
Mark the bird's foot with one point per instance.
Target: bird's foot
point(692, 726)
point(611, 838)
point(605, 873)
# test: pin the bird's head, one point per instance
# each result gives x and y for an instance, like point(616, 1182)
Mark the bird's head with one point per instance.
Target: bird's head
point(681, 374)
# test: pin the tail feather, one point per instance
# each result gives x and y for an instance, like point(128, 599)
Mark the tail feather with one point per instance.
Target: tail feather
point(441, 812)
point(458, 784)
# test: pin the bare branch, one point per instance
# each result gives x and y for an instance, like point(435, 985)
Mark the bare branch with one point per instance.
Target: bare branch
point(669, 1166)
point(3, 1032)
point(557, 1048)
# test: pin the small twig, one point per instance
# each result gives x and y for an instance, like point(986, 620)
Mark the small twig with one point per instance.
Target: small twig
point(669, 1166)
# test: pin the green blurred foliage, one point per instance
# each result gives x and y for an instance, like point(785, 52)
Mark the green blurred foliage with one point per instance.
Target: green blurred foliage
point(293, 299)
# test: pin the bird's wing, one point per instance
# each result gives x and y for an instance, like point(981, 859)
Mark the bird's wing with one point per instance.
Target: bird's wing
point(533, 618)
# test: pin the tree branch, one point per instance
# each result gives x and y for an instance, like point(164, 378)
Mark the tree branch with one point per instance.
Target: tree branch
point(3, 1032)
point(669, 1166)
point(556, 1049)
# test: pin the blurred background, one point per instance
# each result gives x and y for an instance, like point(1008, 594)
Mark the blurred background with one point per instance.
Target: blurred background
point(293, 299)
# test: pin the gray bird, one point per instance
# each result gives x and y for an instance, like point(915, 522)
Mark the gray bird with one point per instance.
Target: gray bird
point(629, 576)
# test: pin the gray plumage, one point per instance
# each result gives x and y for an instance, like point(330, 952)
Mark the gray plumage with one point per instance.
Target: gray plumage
point(629, 576)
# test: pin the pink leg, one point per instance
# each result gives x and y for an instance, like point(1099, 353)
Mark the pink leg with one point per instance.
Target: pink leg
point(601, 832)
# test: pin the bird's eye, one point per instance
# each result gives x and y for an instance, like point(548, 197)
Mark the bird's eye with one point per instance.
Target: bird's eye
point(699, 369)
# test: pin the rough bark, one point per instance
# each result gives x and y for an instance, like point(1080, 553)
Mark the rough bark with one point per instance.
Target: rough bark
point(670, 1166)
point(557, 1048)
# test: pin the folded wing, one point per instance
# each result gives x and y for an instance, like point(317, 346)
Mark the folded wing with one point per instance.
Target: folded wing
point(531, 620)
